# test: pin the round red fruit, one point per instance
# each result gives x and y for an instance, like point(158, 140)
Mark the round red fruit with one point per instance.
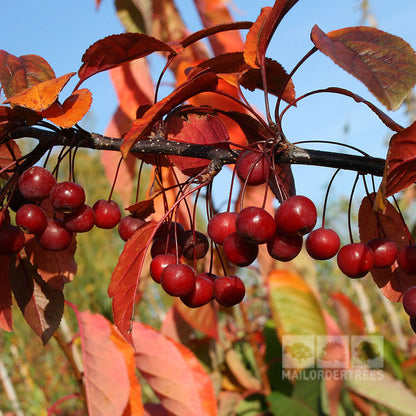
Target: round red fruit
point(406, 259)
point(80, 221)
point(240, 251)
point(12, 239)
point(221, 225)
point(284, 247)
point(107, 213)
point(194, 245)
point(55, 236)
point(256, 224)
point(252, 168)
point(31, 218)
point(158, 264)
point(36, 183)
point(178, 279)
point(355, 260)
point(128, 226)
point(296, 215)
point(174, 229)
point(165, 245)
point(409, 301)
point(229, 290)
point(67, 197)
point(322, 243)
point(385, 251)
point(201, 293)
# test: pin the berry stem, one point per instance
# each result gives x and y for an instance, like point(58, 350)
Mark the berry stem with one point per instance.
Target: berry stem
point(115, 179)
point(350, 206)
point(326, 196)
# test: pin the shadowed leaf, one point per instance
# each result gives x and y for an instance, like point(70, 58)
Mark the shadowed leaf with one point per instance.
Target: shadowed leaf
point(385, 63)
point(143, 209)
point(9, 153)
point(6, 322)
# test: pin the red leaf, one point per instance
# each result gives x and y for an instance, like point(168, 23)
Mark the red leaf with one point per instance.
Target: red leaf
point(6, 322)
point(18, 74)
point(125, 278)
point(105, 376)
point(115, 50)
point(71, 111)
point(42, 95)
point(385, 63)
point(177, 378)
point(350, 317)
point(143, 126)
point(143, 209)
point(42, 306)
point(392, 281)
point(9, 153)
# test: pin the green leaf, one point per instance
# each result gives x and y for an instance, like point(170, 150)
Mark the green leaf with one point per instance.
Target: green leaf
point(288, 406)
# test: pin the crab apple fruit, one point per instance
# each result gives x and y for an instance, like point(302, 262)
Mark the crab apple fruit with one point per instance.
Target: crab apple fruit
point(194, 245)
point(385, 251)
point(55, 237)
point(107, 213)
point(31, 218)
point(36, 183)
point(252, 167)
point(221, 225)
point(80, 221)
point(158, 264)
point(128, 226)
point(67, 197)
point(409, 301)
point(174, 229)
point(240, 251)
point(12, 239)
point(229, 290)
point(406, 259)
point(17, 200)
point(322, 243)
point(284, 247)
point(201, 293)
point(256, 224)
point(178, 279)
point(296, 215)
point(355, 260)
point(165, 245)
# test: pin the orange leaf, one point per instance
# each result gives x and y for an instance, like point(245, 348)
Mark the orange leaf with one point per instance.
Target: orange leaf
point(71, 111)
point(6, 322)
point(9, 153)
point(42, 95)
point(143, 209)
point(385, 63)
point(350, 317)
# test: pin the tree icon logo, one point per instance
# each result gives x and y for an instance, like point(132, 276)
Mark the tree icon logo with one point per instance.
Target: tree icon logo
point(367, 351)
point(298, 351)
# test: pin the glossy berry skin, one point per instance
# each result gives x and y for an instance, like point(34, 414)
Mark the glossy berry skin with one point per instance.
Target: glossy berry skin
point(409, 301)
point(80, 221)
point(67, 197)
point(158, 264)
point(31, 218)
point(322, 243)
point(107, 213)
point(36, 183)
point(385, 251)
point(240, 251)
point(221, 225)
point(194, 245)
point(406, 259)
point(256, 224)
point(229, 290)
point(174, 229)
point(355, 260)
point(201, 293)
point(178, 279)
point(12, 239)
point(165, 245)
point(252, 168)
point(55, 237)
point(296, 215)
point(128, 226)
point(284, 247)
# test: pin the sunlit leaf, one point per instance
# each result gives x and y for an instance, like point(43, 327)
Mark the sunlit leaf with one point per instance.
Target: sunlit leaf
point(350, 317)
point(385, 63)
point(6, 322)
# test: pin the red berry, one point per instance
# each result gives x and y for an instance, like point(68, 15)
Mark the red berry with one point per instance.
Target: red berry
point(178, 279)
point(165, 245)
point(171, 228)
point(229, 290)
point(221, 225)
point(256, 224)
point(296, 215)
point(12, 239)
point(81, 220)
point(409, 301)
point(322, 243)
point(252, 167)
point(194, 245)
point(67, 197)
point(284, 247)
point(107, 213)
point(240, 251)
point(31, 218)
point(201, 293)
point(355, 260)
point(36, 183)
point(385, 251)
point(158, 264)
point(406, 259)
point(128, 226)
point(55, 236)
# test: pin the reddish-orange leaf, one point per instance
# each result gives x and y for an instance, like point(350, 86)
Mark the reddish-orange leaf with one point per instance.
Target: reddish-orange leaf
point(20, 73)
point(9, 153)
point(125, 278)
point(143, 126)
point(105, 374)
point(42, 95)
point(42, 306)
point(6, 322)
point(115, 50)
point(143, 209)
point(180, 382)
point(71, 111)
point(385, 63)
point(392, 281)
point(350, 317)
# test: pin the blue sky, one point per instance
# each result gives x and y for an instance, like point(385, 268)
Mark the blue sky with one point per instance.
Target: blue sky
point(60, 31)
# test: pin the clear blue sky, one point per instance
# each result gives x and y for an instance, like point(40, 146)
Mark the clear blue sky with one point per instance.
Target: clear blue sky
point(60, 31)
